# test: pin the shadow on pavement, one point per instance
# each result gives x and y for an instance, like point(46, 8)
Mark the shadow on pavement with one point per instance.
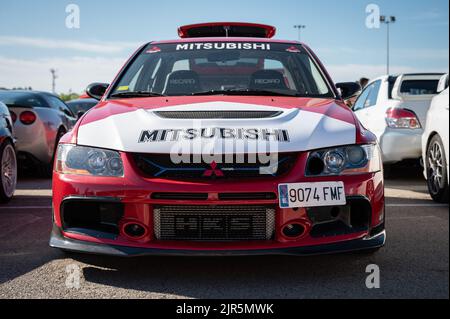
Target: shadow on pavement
point(25, 247)
point(225, 277)
point(406, 171)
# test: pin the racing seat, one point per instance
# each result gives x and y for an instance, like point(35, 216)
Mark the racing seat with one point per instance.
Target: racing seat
point(267, 80)
point(182, 83)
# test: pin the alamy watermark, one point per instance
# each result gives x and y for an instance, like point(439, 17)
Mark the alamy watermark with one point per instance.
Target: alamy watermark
point(73, 16)
point(373, 280)
point(222, 145)
point(73, 277)
point(373, 16)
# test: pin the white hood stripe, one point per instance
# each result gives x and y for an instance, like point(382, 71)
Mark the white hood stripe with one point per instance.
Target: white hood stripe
point(305, 131)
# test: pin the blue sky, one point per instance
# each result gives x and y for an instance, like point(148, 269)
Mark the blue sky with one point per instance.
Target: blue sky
point(33, 35)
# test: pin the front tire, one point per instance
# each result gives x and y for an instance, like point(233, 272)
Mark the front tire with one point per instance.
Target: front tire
point(437, 174)
point(8, 172)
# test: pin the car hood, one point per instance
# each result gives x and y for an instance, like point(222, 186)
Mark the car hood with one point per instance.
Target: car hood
point(196, 124)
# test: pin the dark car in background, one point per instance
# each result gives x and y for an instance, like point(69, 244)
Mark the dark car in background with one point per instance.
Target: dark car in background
point(81, 106)
point(8, 162)
point(40, 120)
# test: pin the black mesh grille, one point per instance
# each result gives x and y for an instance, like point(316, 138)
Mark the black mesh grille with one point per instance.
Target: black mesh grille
point(214, 223)
point(161, 166)
point(192, 115)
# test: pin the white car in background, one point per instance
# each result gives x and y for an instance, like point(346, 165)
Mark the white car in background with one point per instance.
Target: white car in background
point(435, 145)
point(395, 109)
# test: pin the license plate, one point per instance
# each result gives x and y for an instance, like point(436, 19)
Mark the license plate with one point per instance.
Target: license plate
point(312, 194)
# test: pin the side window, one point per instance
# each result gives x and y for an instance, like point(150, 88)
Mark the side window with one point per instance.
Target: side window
point(373, 95)
point(361, 101)
point(59, 105)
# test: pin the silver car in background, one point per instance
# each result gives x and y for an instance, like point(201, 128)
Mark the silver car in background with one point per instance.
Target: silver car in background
point(40, 120)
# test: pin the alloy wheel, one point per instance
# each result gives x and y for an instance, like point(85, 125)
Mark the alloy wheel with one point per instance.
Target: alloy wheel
point(436, 167)
point(9, 170)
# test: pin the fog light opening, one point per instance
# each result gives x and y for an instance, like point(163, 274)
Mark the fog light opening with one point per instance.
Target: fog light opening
point(335, 212)
point(134, 230)
point(293, 230)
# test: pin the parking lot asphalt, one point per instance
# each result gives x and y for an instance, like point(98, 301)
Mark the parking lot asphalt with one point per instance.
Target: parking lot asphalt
point(414, 263)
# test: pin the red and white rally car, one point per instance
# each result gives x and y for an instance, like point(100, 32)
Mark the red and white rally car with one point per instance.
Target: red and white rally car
point(222, 142)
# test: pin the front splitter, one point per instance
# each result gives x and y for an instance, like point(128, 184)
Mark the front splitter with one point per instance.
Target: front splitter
point(57, 240)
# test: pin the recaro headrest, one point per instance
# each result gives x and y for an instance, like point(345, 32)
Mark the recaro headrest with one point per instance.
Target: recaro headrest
point(267, 80)
point(182, 83)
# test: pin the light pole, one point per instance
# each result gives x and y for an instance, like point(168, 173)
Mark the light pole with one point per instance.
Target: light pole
point(54, 77)
point(300, 27)
point(388, 20)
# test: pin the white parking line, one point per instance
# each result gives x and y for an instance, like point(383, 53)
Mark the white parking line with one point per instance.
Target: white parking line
point(412, 217)
point(33, 192)
point(416, 205)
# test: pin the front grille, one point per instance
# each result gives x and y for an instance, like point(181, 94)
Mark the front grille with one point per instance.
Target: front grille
point(214, 223)
point(161, 166)
point(222, 196)
point(180, 196)
point(247, 196)
point(194, 115)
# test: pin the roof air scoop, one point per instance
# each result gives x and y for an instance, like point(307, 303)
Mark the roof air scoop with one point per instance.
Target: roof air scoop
point(227, 29)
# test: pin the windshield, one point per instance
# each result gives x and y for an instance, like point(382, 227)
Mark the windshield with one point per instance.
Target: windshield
point(229, 68)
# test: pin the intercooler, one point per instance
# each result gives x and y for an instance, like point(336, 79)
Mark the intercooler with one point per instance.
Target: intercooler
point(214, 223)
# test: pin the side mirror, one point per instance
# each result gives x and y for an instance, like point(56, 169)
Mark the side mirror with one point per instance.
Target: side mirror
point(348, 89)
point(97, 90)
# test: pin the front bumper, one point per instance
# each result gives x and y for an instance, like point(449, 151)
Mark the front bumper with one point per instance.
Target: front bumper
point(134, 199)
point(57, 240)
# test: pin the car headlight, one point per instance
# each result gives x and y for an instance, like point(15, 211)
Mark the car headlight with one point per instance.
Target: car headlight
point(81, 160)
point(346, 160)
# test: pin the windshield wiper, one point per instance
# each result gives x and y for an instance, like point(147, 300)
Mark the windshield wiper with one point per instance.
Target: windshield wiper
point(244, 92)
point(136, 94)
